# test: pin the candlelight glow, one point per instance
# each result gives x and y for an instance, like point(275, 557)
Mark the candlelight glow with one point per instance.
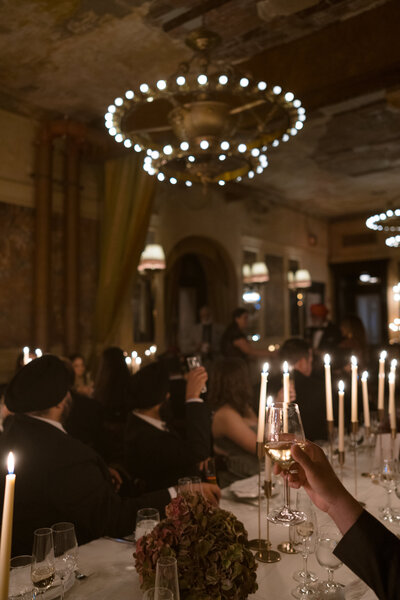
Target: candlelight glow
point(285, 367)
point(270, 401)
point(354, 361)
point(153, 349)
point(25, 350)
point(383, 355)
point(10, 463)
point(364, 376)
point(38, 352)
point(265, 367)
point(327, 359)
point(128, 360)
point(134, 354)
point(341, 386)
point(393, 364)
point(138, 360)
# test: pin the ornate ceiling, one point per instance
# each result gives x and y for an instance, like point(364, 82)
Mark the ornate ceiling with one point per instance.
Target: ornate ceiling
point(72, 57)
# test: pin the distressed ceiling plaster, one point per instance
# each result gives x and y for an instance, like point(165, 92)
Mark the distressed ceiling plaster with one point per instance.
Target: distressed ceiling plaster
point(72, 57)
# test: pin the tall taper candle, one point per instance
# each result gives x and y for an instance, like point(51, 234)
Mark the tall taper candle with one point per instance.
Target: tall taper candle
point(364, 381)
point(381, 380)
point(393, 365)
point(6, 529)
point(341, 417)
point(354, 390)
point(26, 358)
point(392, 406)
point(328, 388)
point(285, 368)
point(267, 457)
point(261, 406)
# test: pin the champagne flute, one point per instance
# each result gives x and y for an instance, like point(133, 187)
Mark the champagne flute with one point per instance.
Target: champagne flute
point(283, 428)
point(306, 532)
point(328, 539)
point(167, 574)
point(43, 564)
point(65, 550)
point(194, 362)
point(387, 477)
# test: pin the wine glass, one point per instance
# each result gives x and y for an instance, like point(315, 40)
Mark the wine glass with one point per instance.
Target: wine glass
point(185, 485)
point(194, 362)
point(167, 575)
point(65, 550)
point(306, 531)
point(43, 564)
point(328, 539)
point(388, 477)
point(146, 520)
point(158, 593)
point(20, 583)
point(283, 428)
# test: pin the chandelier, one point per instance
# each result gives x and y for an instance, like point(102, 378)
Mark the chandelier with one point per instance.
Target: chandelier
point(385, 221)
point(204, 123)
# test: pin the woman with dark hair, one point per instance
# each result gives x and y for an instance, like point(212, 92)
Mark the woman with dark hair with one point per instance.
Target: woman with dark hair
point(234, 341)
point(83, 383)
point(234, 420)
point(354, 342)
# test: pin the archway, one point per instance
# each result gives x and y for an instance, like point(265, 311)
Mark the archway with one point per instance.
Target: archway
point(199, 271)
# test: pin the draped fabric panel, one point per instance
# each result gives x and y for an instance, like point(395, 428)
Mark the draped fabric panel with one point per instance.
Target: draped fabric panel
point(128, 201)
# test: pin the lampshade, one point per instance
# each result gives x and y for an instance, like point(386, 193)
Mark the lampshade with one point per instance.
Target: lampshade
point(259, 272)
point(290, 279)
point(152, 258)
point(246, 273)
point(302, 278)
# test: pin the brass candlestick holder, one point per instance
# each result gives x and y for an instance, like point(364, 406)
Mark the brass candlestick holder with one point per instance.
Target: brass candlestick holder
point(331, 431)
point(267, 555)
point(354, 431)
point(259, 544)
point(288, 547)
point(341, 463)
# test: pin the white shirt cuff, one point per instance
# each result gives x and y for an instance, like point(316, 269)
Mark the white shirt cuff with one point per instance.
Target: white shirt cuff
point(172, 492)
point(193, 400)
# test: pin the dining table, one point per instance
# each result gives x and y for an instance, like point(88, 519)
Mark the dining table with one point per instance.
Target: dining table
point(109, 565)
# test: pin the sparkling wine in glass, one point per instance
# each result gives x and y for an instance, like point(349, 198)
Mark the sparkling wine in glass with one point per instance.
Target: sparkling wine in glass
point(328, 539)
point(194, 362)
point(43, 563)
point(283, 428)
point(65, 550)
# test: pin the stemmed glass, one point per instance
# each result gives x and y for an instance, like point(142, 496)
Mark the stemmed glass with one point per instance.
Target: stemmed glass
point(20, 584)
point(167, 575)
point(283, 428)
point(65, 550)
point(146, 520)
point(43, 563)
point(306, 531)
point(328, 539)
point(194, 362)
point(388, 476)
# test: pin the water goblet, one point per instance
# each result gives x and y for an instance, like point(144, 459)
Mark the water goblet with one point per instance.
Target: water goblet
point(306, 532)
point(185, 485)
point(146, 520)
point(328, 539)
point(167, 574)
point(283, 428)
point(65, 550)
point(158, 593)
point(43, 563)
point(20, 583)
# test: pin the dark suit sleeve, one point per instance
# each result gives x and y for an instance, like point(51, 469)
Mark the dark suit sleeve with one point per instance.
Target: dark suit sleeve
point(198, 430)
point(84, 494)
point(373, 553)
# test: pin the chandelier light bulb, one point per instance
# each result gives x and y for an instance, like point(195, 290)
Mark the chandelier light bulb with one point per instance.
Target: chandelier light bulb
point(275, 143)
point(150, 99)
point(224, 145)
point(161, 177)
point(108, 116)
point(184, 146)
point(118, 102)
point(188, 183)
point(262, 86)
point(296, 103)
point(155, 154)
point(277, 90)
point(180, 80)
point(129, 94)
point(167, 149)
point(285, 137)
point(222, 157)
point(127, 143)
point(223, 79)
point(204, 144)
point(173, 180)
point(250, 174)
point(221, 182)
point(111, 108)
point(161, 84)
point(137, 148)
point(244, 82)
point(302, 117)
point(301, 110)
point(202, 79)
point(151, 171)
point(112, 131)
point(191, 159)
point(293, 131)
point(255, 152)
point(109, 124)
point(238, 179)
point(144, 88)
point(242, 148)
point(259, 169)
point(299, 125)
point(289, 96)
point(389, 213)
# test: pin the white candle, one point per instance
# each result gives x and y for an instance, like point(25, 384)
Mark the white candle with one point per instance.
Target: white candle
point(38, 353)
point(393, 366)
point(381, 380)
point(364, 381)
point(354, 390)
point(328, 388)
point(133, 355)
point(285, 369)
point(261, 405)
point(267, 468)
point(128, 361)
point(26, 358)
point(6, 529)
point(137, 363)
point(341, 416)
point(392, 406)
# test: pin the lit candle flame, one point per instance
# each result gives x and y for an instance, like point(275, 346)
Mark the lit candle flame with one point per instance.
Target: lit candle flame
point(138, 360)
point(393, 364)
point(354, 361)
point(38, 352)
point(270, 401)
point(134, 354)
point(286, 367)
point(265, 367)
point(327, 359)
point(10, 463)
point(341, 386)
point(153, 349)
point(383, 355)
point(128, 360)
point(364, 376)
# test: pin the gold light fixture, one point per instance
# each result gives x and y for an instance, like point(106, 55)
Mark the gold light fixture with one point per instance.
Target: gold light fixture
point(204, 123)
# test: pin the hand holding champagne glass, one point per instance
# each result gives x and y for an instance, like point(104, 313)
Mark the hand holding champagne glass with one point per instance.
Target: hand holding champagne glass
point(283, 428)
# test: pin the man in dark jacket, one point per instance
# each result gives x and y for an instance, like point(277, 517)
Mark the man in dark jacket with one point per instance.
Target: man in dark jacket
point(57, 477)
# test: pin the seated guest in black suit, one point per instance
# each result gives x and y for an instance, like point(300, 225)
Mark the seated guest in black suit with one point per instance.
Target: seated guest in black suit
point(154, 451)
point(58, 477)
point(310, 390)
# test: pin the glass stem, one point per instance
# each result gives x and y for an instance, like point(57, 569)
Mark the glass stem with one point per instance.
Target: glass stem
point(388, 499)
point(330, 575)
point(305, 561)
point(286, 495)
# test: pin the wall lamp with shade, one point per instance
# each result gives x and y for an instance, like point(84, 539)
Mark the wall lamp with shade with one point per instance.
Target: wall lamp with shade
point(152, 259)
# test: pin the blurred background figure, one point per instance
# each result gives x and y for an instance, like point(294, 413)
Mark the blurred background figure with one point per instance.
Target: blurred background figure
point(234, 422)
point(205, 337)
point(234, 341)
point(83, 383)
point(323, 335)
point(354, 341)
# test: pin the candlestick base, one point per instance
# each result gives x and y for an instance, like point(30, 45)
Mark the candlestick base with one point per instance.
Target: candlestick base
point(256, 544)
point(268, 556)
point(287, 548)
point(341, 458)
point(354, 427)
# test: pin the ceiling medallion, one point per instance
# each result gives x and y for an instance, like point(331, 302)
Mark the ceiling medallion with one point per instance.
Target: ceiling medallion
point(204, 123)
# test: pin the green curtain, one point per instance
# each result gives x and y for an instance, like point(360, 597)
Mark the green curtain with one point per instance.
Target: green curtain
point(128, 201)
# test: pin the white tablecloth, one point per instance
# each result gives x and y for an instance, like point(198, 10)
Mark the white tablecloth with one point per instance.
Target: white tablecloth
point(113, 576)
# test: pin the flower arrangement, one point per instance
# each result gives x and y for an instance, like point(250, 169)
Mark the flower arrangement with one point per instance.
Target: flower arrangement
point(210, 545)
